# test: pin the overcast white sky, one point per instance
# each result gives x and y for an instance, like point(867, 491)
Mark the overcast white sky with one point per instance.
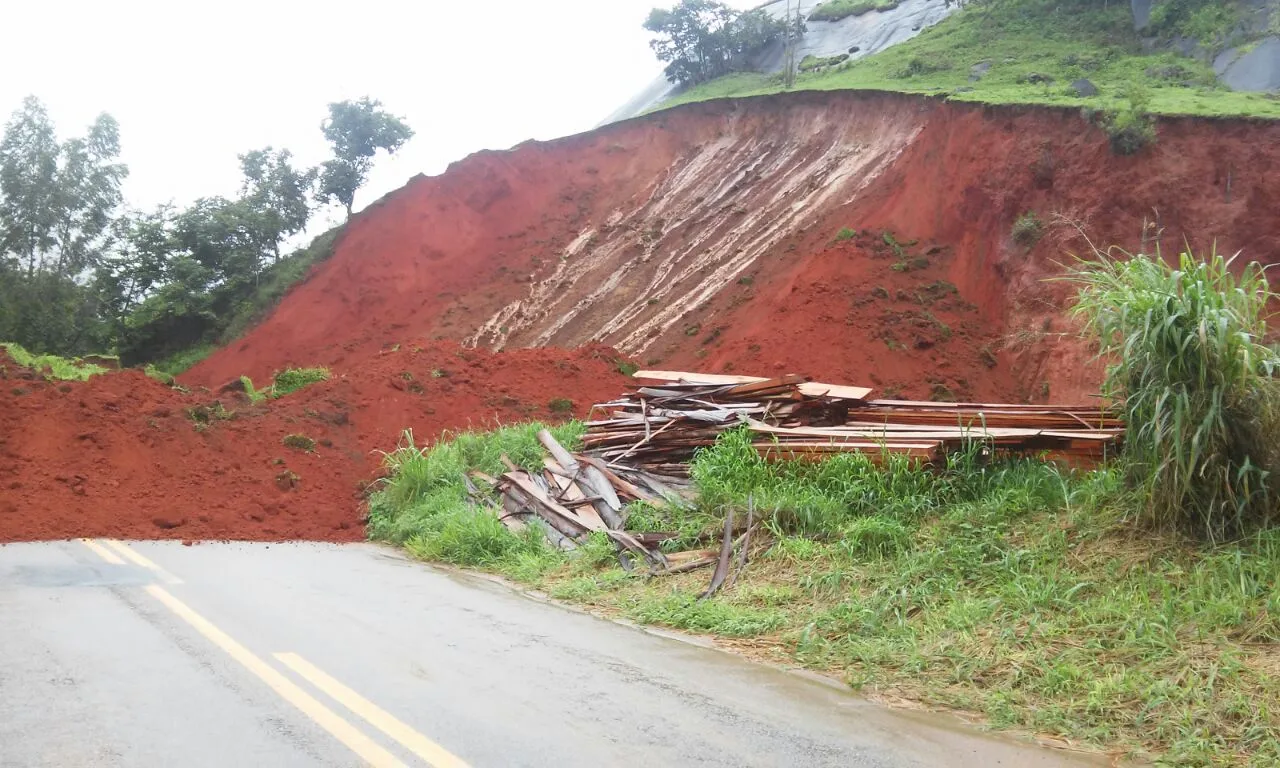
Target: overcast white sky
point(195, 84)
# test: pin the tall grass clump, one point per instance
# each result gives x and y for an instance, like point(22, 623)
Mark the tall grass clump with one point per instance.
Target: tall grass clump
point(424, 503)
point(1194, 380)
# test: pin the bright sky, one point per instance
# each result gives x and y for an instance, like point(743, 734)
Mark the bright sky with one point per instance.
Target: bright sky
point(195, 84)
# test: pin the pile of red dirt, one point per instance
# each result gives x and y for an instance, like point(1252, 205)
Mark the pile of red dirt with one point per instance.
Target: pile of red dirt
point(124, 456)
point(708, 237)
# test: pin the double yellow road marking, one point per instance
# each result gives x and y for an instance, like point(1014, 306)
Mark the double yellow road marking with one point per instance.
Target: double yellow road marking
point(350, 736)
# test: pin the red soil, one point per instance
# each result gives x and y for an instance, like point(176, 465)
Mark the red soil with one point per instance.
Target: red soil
point(702, 237)
point(120, 455)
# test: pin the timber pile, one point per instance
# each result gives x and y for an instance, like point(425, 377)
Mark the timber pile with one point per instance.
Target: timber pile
point(659, 426)
point(576, 495)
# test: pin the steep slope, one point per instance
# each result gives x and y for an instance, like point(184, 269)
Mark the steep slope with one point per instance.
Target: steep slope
point(710, 236)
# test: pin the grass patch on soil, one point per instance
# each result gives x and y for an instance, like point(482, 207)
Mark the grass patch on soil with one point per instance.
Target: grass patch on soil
point(1035, 50)
point(1012, 589)
point(52, 366)
point(284, 383)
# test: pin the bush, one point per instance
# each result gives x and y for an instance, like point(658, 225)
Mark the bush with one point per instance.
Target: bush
point(1028, 229)
point(1195, 384)
point(1132, 129)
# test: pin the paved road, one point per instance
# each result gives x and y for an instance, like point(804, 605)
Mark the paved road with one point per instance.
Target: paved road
point(155, 654)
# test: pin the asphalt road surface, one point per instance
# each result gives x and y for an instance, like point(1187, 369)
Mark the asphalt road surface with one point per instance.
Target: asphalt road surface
point(156, 654)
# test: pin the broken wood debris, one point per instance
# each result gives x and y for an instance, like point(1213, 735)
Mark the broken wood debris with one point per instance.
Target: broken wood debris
point(642, 449)
point(669, 415)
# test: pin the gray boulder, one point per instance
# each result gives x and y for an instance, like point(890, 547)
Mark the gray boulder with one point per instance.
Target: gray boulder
point(1256, 70)
point(1084, 88)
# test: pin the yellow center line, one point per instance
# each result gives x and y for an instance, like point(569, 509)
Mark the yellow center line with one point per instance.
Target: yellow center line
point(355, 740)
point(102, 552)
point(139, 559)
point(379, 718)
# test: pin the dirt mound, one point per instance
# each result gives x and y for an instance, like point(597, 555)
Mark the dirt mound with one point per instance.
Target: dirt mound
point(124, 456)
point(703, 237)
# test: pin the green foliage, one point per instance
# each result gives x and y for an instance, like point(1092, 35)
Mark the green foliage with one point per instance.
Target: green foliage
point(52, 366)
point(357, 130)
point(811, 63)
point(255, 396)
point(1062, 41)
point(626, 367)
point(561, 406)
point(284, 383)
point(1028, 229)
point(275, 197)
point(1191, 371)
point(845, 234)
point(1209, 22)
point(824, 498)
point(834, 10)
point(57, 200)
point(289, 381)
point(180, 362)
point(1132, 129)
point(424, 503)
point(702, 39)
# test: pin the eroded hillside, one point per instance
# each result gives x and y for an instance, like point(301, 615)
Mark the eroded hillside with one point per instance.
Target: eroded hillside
point(850, 236)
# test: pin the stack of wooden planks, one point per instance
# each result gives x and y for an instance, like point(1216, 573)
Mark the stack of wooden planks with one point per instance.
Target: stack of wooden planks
point(660, 424)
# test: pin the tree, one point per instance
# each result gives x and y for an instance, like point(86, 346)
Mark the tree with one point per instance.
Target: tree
point(57, 203)
point(275, 196)
point(357, 130)
point(703, 39)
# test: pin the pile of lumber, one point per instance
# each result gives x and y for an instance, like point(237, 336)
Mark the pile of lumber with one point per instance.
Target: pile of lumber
point(576, 495)
point(659, 425)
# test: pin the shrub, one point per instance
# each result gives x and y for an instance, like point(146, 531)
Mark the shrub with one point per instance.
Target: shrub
point(1131, 129)
point(1190, 372)
point(561, 405)
point(846, 234)
point(1028, 229)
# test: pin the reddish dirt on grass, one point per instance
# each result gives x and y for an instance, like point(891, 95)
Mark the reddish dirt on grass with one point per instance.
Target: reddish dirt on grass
point(124, 456)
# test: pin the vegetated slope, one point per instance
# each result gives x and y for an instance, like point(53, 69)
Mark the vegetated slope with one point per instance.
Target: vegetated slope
point(1188, 55)
point(710, 236)
point(124, 456)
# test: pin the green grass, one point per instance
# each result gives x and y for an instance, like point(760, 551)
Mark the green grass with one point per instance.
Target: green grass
point(290, 381)
point(284, 383)
point(1017, 590)
point(1190, 366)
point(52, 366)
point(834, 10)
point(1021, 38)
point(181, 362)
point(424, 504)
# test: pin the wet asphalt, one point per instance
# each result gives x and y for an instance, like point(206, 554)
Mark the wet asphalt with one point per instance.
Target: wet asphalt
point(156, 654)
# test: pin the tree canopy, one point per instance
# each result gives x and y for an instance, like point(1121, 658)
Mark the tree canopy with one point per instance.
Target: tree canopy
point(357, 130)
point(80, 273)
point(703, 39)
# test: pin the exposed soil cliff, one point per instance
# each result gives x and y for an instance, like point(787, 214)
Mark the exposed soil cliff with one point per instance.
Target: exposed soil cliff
point(708, 236)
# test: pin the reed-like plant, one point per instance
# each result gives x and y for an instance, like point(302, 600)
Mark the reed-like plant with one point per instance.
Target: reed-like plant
point(1188, 365)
